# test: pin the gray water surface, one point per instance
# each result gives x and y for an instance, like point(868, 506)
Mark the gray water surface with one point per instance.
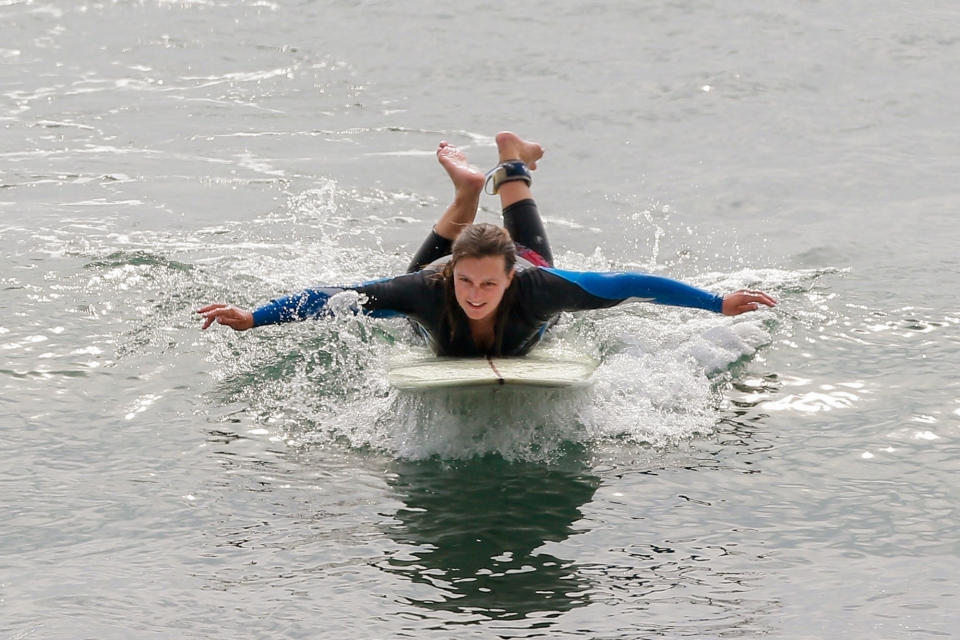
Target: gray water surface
point(787, 474)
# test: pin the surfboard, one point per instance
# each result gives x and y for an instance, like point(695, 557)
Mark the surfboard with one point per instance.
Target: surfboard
point(536, 371)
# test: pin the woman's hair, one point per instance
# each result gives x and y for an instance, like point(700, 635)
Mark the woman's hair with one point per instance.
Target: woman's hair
point(483, 240)
point(478, 241)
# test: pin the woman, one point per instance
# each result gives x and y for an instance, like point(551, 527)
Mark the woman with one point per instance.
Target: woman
point(479, 289)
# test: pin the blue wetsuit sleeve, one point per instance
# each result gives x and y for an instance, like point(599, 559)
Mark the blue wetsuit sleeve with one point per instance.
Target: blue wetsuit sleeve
point(313, 303)
point(309, 303)
point(415, 295)
point(605, 289)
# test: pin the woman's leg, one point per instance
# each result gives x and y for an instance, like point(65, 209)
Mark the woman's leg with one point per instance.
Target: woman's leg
point(467, 185)
point(520, 215)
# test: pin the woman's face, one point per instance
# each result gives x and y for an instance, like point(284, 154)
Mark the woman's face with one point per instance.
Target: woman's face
point(479, 285)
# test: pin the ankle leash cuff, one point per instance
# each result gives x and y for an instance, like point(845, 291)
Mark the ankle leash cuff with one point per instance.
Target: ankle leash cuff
point(506, 172)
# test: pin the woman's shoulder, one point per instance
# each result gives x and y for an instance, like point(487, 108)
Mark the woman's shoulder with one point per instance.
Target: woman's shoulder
point(535, 282)
point(536, 275)
point(426, 276)
point(403, 292)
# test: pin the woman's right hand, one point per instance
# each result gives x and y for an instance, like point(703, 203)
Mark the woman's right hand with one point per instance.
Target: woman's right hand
point(234, 317)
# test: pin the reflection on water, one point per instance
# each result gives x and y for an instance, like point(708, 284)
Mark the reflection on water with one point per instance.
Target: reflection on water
point(473, 530)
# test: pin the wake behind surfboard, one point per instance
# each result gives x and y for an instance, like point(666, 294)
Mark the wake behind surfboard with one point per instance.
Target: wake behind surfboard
point(537, 371)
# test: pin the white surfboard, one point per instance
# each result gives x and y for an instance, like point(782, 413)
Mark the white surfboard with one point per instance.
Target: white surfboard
point(537, 371)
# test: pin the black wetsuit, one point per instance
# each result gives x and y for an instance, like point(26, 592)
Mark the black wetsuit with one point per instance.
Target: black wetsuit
point(536, 296)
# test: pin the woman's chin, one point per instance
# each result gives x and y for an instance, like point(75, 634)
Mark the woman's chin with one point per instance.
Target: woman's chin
point(476, 313)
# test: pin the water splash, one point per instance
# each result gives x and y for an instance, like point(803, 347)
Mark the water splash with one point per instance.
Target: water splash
point(661, 379)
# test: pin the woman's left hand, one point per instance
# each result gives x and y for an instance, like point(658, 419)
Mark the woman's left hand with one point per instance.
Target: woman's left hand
point(745, 300)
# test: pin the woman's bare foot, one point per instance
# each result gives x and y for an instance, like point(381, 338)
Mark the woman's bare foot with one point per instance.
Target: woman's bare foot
point(513, 147)
point(467, 184)
point(466, 179)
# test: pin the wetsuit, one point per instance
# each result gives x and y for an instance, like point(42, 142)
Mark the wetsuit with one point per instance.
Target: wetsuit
point(538, 293)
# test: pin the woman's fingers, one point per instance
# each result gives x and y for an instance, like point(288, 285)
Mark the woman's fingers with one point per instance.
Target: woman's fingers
point(760, 297)
point(746, 300)
point(213, 313)
point(226, 314)
point(220, 316)
point(211, 307)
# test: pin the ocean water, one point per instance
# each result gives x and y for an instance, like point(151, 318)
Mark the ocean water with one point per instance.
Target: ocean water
point(788, 474)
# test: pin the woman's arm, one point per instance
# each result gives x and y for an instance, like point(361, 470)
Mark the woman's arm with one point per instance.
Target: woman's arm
point(577, 290)
point(309, 303)
point(384, 298)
